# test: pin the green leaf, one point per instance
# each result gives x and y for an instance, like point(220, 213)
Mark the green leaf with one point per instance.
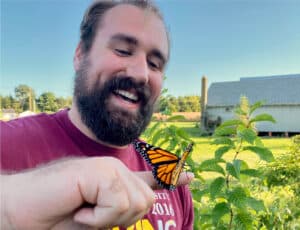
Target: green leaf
point(244, 220)
point(162, 141)
point(219, 211)
point(221, 151)
point(234, 169)
point(239, 111)
point(247, 134)
point(257, 205)
point(157, 135)
point(263, 153)
point(216, 186)
point(251, 172)
point(182, 134)
point(198, 194)
point(211, 165)
point(172, 130)
point(176, 118)
point(244, 164)
point(233, 122)
point(224, 131)
point(150, 131)
point(263, 117)
point(164, 90)
point(255, 106)
point(172, 144)
point(258, 142)
point(238, 197)
point(223, 141)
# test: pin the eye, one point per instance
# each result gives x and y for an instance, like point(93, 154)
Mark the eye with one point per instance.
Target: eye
point(155, 64)
point(123, 52)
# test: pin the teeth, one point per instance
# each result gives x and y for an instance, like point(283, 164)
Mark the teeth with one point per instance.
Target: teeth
point(127, 95)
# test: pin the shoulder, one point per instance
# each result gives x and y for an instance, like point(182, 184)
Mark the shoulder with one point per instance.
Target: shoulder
point(30, 122)
point(28, 128)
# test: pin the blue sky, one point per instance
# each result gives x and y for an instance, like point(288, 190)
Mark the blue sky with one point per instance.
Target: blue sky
point(222, 39)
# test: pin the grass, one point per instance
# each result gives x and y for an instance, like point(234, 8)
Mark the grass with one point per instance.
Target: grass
point(203, 149)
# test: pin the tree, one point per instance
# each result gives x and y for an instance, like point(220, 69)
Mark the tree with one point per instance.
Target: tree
point(6, 102)
point(25, 95)
point(180, 104)
point(63, 102)
point(9, 102)
point(168, 102)
point(47, 102)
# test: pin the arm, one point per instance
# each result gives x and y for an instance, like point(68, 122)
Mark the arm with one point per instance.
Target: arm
point(56, 196)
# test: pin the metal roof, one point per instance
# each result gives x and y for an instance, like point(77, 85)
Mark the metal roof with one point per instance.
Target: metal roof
point(273, 90)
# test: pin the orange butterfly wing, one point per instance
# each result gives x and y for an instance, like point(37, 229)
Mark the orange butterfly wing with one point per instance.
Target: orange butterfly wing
point(162, 161)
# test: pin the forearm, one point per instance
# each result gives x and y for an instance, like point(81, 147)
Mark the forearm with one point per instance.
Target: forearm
point(38, 196)
point(5, 216)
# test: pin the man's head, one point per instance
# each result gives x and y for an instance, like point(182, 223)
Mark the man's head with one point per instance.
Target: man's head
point(119, 65)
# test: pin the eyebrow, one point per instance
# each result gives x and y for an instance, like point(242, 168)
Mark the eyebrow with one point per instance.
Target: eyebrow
point(124, 38)
point(133, 41)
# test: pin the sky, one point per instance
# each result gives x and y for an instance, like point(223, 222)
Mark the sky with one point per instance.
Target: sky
point(221, 39)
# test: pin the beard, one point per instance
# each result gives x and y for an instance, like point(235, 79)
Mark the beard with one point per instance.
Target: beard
point(111, 124)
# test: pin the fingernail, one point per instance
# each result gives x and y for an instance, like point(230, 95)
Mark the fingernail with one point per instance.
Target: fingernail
point(190, 176)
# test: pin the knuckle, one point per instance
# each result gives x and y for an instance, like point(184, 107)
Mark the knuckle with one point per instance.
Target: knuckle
point(123, 206)
point(150, 198)
point(141, 206)
point(116, 185)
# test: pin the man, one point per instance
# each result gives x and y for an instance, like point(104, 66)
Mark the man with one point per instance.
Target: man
point(119, 64)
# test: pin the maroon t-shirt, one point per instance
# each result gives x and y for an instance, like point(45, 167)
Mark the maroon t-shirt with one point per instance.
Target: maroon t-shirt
point(31, 141)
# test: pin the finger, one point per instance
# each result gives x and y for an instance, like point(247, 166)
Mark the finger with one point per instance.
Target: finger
point(184, 179)
point(141, 198)
point(112, 202)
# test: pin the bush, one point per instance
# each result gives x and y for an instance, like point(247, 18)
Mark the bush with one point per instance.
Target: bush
point(280, 190)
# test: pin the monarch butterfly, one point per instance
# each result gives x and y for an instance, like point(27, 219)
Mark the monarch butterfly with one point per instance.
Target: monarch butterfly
point(166, 165)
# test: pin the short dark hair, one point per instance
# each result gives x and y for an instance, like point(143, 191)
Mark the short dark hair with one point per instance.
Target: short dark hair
point(94, 15)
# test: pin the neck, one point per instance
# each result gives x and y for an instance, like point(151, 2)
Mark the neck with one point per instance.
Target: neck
point(75, 118)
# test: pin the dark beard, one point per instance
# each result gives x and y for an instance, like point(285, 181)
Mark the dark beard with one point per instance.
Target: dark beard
point(112, 125)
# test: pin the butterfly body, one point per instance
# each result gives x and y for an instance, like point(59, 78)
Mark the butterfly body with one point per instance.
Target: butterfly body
point(166, 166)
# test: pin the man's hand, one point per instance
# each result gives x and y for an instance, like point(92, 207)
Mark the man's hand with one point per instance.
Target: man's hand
point(78, 194)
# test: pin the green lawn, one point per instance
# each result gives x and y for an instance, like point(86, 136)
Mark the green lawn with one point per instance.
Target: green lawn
point(204, 150)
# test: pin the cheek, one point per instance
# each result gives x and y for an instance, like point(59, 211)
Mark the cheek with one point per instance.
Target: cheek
point(156, 86)
point(103, 69)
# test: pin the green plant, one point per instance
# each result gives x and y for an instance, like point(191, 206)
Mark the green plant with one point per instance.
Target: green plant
point(226, 202)
point(167, 136)
point(281, 190)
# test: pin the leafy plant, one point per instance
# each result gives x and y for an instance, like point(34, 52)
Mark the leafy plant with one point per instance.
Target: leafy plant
point(238, 196)
point(167, 136)
point(231, 203)
point(281, 190)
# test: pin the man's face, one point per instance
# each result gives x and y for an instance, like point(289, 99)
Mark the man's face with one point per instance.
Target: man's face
point(120, 78)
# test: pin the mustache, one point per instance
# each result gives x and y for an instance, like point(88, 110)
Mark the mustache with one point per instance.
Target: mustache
point(128, 83)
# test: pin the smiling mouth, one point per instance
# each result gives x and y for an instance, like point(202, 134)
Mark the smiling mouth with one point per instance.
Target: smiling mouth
point(127, 96)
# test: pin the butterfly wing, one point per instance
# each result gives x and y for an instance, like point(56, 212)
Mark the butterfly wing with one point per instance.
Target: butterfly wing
point(162, 161)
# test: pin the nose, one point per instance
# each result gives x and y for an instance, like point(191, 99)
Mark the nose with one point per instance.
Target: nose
point(138, 69)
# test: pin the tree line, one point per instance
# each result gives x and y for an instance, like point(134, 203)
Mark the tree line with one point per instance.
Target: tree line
point(25, 98)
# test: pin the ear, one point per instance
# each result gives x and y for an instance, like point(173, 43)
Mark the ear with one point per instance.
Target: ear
point(77, 57)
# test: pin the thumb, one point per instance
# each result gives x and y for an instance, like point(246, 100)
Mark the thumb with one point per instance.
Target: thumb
point(147, 176)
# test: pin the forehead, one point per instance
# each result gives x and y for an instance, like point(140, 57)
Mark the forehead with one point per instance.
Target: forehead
point(144, 25)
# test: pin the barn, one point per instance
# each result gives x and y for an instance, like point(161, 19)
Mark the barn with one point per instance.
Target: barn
point(281, 96)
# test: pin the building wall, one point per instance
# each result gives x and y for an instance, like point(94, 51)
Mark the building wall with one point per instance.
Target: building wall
point(287, 117)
